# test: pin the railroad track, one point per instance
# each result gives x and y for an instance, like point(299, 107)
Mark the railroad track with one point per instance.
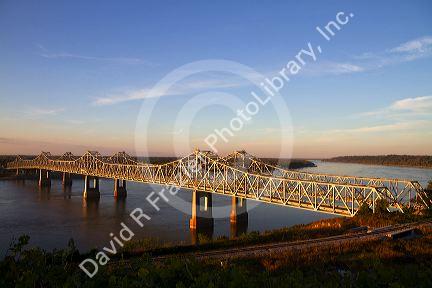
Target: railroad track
point(261, 249)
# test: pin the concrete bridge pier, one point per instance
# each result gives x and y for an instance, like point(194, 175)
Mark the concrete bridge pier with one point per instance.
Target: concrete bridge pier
point(20, 174)
point(44, 178)
point(238, 216)
point(202, 216)
point(66, 179)
point(91, 187)
point(120, 188)
point(238, 210)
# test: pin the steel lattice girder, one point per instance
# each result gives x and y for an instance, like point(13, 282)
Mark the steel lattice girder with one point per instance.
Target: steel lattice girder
point(241, 175)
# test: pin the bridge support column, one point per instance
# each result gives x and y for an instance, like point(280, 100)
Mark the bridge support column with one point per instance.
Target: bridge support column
point(66, 179)
point(202, 216)
point(120, 189)
point(238, 216)
point(20, 174)
point(44, 178)
point(91, 191)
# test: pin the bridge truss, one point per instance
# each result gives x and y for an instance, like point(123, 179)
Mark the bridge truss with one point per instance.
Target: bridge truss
point(242, 175)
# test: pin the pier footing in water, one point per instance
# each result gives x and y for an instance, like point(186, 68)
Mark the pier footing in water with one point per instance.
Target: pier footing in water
point(44, 178)
point(120, 188)
point(66, 179)
point(91, 187)
point(202, 216)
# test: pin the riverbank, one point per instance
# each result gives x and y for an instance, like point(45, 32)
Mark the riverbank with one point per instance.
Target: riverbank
point(350, 263)
point(412, 161)
point(290, 163)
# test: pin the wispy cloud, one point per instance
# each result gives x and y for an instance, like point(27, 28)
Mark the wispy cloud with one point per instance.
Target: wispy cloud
point(420, 45)
point(32, 146)
point(405, 52)
point(75, 121)
point(400, 126)
point(4, 140)
point(66, 55)
point(129, 96)
point(418, 104)
point(332, 68)
point(400, 117)
point(41, 112)
point(408, 106)
point(180, 89)
point(271, 130)
point(176, 133)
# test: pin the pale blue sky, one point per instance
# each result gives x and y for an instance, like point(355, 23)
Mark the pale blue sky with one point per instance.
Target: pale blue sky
point(70, 70)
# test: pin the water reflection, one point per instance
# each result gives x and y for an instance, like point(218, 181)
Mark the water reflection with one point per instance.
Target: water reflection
point(20, 182)
point(120, 208)
point(90, 208)
point(44, 193)
point(67, 192)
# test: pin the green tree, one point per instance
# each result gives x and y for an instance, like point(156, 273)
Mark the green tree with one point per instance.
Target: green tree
point(16, 248)
point(364, 210)
point(381, 206)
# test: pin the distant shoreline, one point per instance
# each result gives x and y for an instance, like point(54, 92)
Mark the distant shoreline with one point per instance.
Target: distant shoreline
point(406, 161)
point(289, 163)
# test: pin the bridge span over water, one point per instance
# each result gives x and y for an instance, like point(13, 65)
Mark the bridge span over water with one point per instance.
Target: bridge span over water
point(238, 174)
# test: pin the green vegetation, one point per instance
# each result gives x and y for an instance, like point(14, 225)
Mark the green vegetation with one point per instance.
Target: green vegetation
point(400, 263)
point(289, 163)
point(387, 160)
point(3, 161)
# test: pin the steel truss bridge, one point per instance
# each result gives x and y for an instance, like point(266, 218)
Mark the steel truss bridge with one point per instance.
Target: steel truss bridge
point(242, 175)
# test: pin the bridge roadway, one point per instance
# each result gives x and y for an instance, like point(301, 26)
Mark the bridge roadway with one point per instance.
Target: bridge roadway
point(238, 174)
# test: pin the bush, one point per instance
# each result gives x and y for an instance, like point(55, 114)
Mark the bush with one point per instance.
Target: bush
point(381, 206)
point(364, 210)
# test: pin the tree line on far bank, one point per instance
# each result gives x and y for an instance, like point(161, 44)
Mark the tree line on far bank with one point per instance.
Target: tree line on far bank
point(387, 160)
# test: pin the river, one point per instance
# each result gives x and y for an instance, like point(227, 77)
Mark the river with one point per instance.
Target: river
point(51, 217)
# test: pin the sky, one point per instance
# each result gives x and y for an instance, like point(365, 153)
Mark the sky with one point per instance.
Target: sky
point(158, 78)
